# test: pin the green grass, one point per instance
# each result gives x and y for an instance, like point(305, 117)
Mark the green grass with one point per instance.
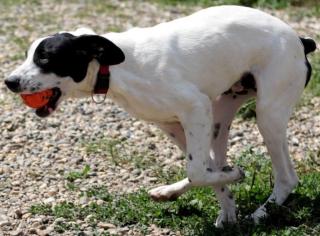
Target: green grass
point(314, 85)
point(74, 175)
point(195, 212)
point(18, 2)
point(116, 151)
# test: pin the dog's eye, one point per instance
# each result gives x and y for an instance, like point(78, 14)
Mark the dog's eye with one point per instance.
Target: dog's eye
point(43, 61)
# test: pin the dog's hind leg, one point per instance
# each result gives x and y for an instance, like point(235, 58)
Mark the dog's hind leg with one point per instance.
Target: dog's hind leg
point(170, 192)
point(225, 108)
point(278, 91)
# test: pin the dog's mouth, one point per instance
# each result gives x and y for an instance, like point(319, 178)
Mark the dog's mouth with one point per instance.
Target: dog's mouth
point(44, 102)
point(52, 104)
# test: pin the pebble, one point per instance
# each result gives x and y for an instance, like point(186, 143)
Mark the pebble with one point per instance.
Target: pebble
point(17, 233)
point(106, 225)
point(49, 200)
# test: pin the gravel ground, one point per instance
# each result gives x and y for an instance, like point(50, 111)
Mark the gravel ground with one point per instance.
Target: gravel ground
point(36, 154)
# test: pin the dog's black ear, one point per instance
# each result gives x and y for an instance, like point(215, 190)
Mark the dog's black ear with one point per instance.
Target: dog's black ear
point(99, 48)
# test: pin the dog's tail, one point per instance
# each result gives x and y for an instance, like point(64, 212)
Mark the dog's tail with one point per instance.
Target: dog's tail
point(309, 46)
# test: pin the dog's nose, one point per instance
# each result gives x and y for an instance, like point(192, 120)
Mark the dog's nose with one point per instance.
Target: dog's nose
point(13, 83)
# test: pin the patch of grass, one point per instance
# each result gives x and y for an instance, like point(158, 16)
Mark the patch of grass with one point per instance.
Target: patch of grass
point(248, 110)
point(73, 175)
point(112, 148)
point(18, 2)
point(117, 150)
point(194, 212)
point(314, 85)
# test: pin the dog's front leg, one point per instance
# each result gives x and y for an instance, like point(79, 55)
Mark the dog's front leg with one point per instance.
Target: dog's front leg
point(197, 120)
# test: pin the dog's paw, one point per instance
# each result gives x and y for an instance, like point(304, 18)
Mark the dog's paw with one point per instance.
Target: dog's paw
point(226, 218)
point(163, 193)
point(258, 215)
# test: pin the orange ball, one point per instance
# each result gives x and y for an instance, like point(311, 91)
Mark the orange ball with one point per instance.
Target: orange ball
point(37, 100)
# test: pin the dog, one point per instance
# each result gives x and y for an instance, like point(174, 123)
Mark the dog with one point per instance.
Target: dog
point(188, 76)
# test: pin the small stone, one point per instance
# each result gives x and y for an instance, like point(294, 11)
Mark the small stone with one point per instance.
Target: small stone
point(4, 220)
point(106, 225)
point(36, 224)
point(18, 214)
point(100, 202)
point(52, 192)
point(113, 232)
point(17, 233)
point(32, 231)
point(26, 215)
point(40, 232)
point(136, 172)
point(15, 183)
point(5, 223)
point(49, 200)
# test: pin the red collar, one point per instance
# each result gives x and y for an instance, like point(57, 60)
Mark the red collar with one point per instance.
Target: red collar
point(102, 83)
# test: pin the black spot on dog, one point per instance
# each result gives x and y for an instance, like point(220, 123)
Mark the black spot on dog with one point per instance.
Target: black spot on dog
point(67, 55)
point(229, 91)
point(216, 130)
point(209, 170)
point(190, 157)
point(227, 168)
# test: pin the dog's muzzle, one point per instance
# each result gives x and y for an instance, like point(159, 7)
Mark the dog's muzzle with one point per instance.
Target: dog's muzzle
point(13, 83)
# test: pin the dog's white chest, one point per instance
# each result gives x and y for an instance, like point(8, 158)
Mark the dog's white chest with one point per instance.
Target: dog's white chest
point(145, 102)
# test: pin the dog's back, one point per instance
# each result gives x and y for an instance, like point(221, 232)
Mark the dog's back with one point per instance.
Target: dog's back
point(219, 42)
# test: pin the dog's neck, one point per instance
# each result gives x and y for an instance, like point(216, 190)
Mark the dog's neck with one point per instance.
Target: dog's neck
point(95, 82)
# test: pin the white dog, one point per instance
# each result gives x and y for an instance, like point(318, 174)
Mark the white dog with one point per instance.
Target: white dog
point(189, 76)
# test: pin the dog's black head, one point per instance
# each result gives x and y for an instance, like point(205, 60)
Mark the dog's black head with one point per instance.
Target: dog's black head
point(61, 62)
point(67, 55)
